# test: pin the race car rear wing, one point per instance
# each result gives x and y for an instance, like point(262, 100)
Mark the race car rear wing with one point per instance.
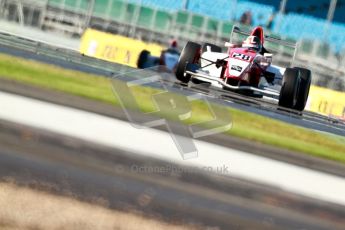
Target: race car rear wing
point(268, 38)
point(272, 43)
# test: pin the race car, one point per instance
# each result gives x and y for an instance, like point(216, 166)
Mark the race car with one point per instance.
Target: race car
point(168, 58)
point(246, 68)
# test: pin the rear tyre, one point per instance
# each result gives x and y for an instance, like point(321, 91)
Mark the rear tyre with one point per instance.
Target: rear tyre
point(190, 54)
point(214, 48)
point(303, 91)
point(289, 91)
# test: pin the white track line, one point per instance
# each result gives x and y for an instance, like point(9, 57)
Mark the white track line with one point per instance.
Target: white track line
point(154, 143)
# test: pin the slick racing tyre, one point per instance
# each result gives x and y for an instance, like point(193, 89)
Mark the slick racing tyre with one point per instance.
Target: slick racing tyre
point(289, 91)
point(190, 54)
point(303, 91)
point(143, 57)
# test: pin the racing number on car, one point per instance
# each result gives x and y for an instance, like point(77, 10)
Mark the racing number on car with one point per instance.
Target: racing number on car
point(241, 56)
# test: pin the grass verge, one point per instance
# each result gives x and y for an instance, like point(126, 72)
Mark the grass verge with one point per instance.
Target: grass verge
point(245, 125)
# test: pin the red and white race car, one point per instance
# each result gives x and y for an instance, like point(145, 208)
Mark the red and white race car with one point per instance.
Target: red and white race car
point(246, 68)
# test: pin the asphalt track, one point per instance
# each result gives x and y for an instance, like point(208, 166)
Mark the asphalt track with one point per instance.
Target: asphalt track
point(87, 171)
point(158, 144)
point(219, 139)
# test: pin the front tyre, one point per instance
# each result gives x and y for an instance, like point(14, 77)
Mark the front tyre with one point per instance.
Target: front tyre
point(289, 92)
point(303, 91)
point(190, 54)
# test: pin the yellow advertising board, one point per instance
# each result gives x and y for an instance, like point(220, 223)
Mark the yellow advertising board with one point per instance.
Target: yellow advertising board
point(115, 48)
point(326, 101)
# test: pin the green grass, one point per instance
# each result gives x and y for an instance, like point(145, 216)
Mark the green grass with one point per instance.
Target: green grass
point(245, 125)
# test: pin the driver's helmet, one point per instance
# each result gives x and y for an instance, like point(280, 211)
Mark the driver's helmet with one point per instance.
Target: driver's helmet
point(252, 42)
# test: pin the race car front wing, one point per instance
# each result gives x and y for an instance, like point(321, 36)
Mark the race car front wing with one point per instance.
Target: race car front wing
point(203, 76)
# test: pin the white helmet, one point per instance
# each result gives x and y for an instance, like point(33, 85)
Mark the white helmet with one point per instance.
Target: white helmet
point(252, 42)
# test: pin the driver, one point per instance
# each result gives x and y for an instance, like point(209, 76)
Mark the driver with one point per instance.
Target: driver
point(170, 56)
point(254, 43)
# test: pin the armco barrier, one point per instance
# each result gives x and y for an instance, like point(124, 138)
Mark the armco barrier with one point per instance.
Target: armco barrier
point(115, 48)
point(326, 101)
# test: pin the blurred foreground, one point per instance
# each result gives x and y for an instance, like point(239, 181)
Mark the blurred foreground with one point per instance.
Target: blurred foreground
point(33, 209)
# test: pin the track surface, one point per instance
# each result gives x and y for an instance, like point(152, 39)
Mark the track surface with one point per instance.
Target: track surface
point(219, 139)
point(72, 167)
point(154, 143)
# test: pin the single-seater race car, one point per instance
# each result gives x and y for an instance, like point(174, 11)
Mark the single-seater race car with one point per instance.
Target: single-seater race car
point(246, 68)
point(168, 58)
